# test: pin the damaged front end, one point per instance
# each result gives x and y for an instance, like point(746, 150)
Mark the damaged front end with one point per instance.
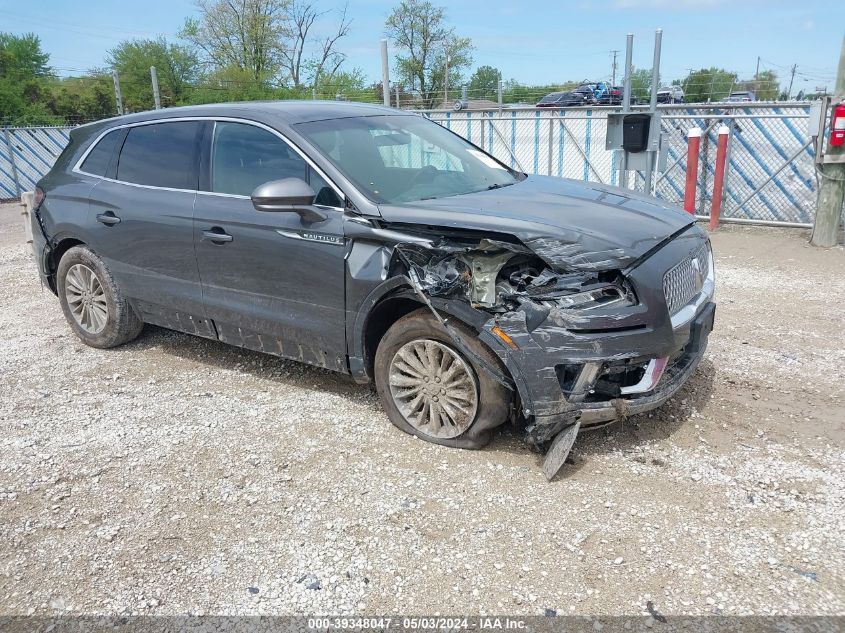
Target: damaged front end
point(584, 334)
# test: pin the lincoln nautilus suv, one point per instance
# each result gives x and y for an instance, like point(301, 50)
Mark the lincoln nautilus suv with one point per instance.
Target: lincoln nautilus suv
point(376, 243)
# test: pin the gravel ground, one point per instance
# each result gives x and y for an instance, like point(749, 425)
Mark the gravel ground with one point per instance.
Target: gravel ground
point(179, 475)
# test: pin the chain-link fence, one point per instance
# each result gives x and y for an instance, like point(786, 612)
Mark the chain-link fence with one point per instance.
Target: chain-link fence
point(26, 154)
point(770, 173)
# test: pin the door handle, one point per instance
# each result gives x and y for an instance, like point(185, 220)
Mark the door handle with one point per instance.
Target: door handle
point(216, 235)
point(108, 218)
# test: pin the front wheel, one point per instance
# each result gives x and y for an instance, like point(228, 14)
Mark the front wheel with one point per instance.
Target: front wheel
point(95, 308)
point(430, 389)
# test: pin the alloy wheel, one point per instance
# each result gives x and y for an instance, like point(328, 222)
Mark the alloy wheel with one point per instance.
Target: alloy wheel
point(434, 389)
point(86, 299)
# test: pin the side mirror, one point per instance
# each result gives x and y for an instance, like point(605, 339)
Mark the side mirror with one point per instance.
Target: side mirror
point(288, 195)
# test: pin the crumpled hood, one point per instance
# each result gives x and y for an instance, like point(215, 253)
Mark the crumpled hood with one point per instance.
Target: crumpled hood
point(572, 225)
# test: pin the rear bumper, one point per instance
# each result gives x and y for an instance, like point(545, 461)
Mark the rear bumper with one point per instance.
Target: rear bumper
point(40, 249)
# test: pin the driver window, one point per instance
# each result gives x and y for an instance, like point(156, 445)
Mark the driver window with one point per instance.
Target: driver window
point(245, 156)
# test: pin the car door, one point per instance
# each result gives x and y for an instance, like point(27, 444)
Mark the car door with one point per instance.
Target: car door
point(141, 214)
point(270, 280)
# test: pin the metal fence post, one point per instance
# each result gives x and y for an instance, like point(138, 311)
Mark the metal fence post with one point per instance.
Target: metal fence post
point(728, 170)
point(705, 173)
point(12, 161)
point(551, 134)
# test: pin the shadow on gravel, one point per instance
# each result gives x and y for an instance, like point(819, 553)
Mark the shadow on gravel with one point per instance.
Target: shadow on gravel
point(256, 364)
point(665, 421)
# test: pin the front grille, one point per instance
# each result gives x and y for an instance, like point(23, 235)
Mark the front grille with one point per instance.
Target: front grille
point(684, 280)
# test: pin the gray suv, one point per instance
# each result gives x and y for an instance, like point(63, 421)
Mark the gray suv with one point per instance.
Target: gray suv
point(376, 243)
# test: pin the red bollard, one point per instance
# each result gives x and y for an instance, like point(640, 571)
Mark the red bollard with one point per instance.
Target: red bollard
point(693, 146)
point(719, 178)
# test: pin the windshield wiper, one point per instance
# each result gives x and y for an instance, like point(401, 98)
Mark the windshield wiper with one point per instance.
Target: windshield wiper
point(498, 185)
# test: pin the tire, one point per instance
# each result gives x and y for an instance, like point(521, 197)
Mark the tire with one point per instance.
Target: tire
point(472, 426)
point(95, 308)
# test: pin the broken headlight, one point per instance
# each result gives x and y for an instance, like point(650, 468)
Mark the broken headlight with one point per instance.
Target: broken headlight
point(602, 297)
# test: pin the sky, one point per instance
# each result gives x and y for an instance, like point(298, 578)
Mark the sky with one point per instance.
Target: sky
point(530, 41)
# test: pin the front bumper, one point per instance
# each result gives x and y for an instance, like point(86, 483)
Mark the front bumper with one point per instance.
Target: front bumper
point(568, 369)
point(599, 413)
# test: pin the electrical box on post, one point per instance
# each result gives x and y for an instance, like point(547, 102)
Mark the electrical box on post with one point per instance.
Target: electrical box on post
point(635, 136)
point(635, 129)
point(633, 132)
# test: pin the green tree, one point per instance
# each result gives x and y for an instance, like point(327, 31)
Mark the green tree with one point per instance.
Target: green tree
point(348, 84)
point(641, 84)
point(708, 84)
point(484, 83)
point(418, 28)
point(24, 79)
point(177, 68)
point(764, 86)
point(245, 35)
point(21, 55)
point(82, 99)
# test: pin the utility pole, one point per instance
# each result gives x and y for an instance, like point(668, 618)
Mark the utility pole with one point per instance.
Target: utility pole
point(757, 72)
point(832, 187)
point(791, 79)
point(156, 94)
point(385, 75)
point(117, 96)
point(613, 73)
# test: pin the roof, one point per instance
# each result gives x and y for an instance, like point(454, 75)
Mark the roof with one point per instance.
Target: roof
point(290, 112)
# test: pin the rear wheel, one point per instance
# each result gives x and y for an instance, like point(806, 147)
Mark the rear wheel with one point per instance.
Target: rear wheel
point(95, 308)
point(432, 390)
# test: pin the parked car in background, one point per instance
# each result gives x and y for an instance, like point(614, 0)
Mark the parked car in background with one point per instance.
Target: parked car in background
point(741, 96)
point(469, 292)
point(612, 96)
point(670, 94)
point(589, 91)
point(563, 100)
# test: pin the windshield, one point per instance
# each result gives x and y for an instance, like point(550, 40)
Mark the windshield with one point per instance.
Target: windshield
point(397, 159)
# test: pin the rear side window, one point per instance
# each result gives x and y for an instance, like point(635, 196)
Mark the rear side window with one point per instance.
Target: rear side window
point(245, 156)
point(161, 155)
point(99, 158)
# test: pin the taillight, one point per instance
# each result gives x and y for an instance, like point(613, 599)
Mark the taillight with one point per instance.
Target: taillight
point(38, 198)
point(837, 126)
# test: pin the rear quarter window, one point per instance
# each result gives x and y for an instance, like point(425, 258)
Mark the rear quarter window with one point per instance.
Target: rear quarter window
point(99, 158)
